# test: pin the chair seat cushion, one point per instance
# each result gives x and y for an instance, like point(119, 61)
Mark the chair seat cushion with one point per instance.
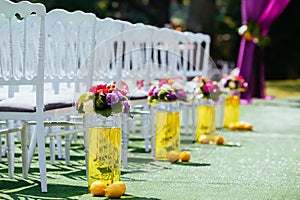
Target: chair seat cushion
point(27, 102)
point(137, 94)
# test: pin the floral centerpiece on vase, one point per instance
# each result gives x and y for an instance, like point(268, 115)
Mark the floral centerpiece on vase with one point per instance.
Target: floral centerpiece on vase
point(104, 99)
point(168, 91)
point(164, 100)
point(100, 107)
point(233, 85)
point(207, 94)
point(207, 90)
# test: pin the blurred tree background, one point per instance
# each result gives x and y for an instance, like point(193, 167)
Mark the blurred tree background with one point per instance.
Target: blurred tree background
point(218, 18)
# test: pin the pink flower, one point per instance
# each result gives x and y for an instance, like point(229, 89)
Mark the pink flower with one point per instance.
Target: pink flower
point(99, 89)
point(208, 87)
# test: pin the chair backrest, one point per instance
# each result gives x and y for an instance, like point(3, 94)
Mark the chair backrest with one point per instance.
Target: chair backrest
point(107, 51)
point(22, 45)
point(131, 52)
point(69, 41)
point(165, 55)
point(137, 54)
point(198, 54)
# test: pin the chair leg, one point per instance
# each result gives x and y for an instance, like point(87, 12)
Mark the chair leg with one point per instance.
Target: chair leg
point(194, 120)
point(0, 148)
point(24, 150)
point(152, 132)
point(124, 148)
point(3, 152)
point(52, 150)
point(67, 149)
point(86, 150)
point(146, 134)
point(86, 143)
point(40, 137)
point(10, 154)
point(32, 146)
point(59, 147)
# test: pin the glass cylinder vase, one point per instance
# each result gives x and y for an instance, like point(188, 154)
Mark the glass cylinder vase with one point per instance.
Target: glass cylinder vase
point(206, 118)
point(104, 148)
point(232, 109)
point(165, 123)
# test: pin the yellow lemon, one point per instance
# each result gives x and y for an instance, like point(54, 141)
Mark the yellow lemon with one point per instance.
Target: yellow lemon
point(97, 188)
point(219, 140)
point(247, 126)
point(204, 139)
point(122, 184)
point(114, 191)
point(232, 126)
point(173, 156)
point(185, 156)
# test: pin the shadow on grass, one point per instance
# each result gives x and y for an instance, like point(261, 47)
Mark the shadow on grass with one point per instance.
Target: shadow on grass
point(17, 189)
point(128, 196)
point(187, 141)
point(139, 160)
point(191, 164)
point(137, 150)
point(125, 196)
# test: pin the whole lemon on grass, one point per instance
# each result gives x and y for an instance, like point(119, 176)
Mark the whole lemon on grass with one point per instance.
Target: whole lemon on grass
point(185, 156)
point(232, 126)
point(204, 139)
point(97, 188)
point(114, 191)
point(122, 184)
point(173, 156)
point(219, 140)
point(247, 126)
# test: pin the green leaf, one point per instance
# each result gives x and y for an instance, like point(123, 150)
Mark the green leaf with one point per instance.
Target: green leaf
point(105, 112)
point(83, 98)
point(117, 108)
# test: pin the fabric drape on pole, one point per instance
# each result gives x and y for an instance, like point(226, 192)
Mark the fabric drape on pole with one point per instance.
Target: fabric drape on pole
point(250, 58)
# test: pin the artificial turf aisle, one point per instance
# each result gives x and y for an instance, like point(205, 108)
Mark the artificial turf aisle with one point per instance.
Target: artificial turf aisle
point(265, 166)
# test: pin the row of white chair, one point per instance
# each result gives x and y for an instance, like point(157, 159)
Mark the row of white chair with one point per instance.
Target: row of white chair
point(75, 48)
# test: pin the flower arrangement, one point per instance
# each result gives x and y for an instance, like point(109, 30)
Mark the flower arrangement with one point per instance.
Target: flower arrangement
point(104, 99)
point(234, 83)
point(208, 89)
point(252, 33)
point(168, 91)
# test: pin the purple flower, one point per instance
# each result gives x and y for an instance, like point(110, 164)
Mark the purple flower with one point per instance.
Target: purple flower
point(172, 96)
point(181, 95)
point(155, 92)
point(119, 93)
point(76, 105)
point(112, 98)
point(126, 106)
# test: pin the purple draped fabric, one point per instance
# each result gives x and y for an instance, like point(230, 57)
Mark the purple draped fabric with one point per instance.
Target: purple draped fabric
point(250, 58)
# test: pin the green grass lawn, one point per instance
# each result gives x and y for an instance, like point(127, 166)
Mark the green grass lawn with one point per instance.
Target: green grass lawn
point(283, 88)
point(266, 165)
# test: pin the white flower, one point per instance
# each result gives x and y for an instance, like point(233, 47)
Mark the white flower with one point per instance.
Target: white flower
point(166, 87)
point(88, 106)
point(242, 29)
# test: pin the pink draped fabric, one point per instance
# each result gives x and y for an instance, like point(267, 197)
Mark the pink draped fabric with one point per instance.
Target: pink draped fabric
point(250, 58)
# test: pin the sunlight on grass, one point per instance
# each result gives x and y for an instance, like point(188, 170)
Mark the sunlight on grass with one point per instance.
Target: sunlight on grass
point(283, 88)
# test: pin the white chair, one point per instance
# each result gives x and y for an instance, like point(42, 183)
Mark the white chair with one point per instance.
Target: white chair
point(103, 63)
point(137, 57)
point(70, 39)
point(198, 54)
point(195, 51)
point(23, 63)
point(20, 68)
